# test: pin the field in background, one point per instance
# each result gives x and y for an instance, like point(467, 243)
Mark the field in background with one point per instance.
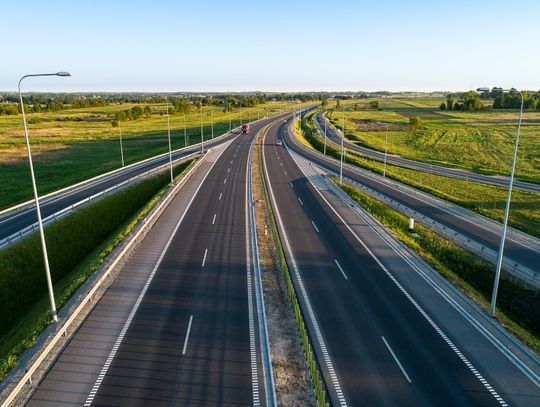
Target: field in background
point(70, 146)
point(481, 142)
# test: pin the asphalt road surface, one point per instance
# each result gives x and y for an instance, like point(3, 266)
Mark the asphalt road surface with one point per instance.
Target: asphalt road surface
point(378, 347)
point(335, 136)
point(13, 222)
point(191, 340)
point(487, 238)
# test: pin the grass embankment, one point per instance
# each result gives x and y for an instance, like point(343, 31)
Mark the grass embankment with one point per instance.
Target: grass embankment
point(77, 245)
point(70, 146)
point(309, 354)
point(481, 142)
point(518, 306)
point(484, 199)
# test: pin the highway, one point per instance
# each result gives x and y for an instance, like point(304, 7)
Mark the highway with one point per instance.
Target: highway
point(178, 326)
point(461, 224)
point(335, 136)
point(381, 334)
point(12, 222)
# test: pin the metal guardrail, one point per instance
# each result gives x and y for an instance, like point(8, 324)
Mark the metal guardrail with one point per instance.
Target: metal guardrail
point(147, 223)
point(62, 213)
point(82, 184)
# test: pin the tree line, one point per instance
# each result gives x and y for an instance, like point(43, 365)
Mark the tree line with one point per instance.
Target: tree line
point(473, 101)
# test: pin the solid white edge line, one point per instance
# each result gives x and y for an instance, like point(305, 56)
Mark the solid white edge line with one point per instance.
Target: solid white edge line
point(340, 269)
point(187, 335)
point(397, 360)
point(445, 338)
point(326, 356)
point(120, 338)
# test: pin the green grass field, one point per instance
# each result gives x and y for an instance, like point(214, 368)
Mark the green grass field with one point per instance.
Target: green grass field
point(73, 145)
point(487, 200)
point(481, 142)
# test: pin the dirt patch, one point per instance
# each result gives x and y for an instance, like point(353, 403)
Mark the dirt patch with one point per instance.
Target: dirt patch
point(372, 125)
point(14, 154)
point(291, 376)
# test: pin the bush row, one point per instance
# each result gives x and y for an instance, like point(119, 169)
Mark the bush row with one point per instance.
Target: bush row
point(69, 241)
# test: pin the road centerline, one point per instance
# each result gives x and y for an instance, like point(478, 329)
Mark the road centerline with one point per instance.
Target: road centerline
point(341, 269)
point(397, 360)
point(187, 335)
point(204, 258)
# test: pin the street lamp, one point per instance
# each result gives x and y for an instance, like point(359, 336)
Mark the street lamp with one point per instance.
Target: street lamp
point(36, 197)
point(169, 135)
point(230, 117)
point(385, 150)
point(202, 132)
point(185, 132)
point(324, 134)
point(507, 208)
point(342, 151)
point(212, 120)
point(121, 146)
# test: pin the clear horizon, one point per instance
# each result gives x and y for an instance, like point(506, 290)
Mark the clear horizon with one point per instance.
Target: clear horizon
point(241, 46)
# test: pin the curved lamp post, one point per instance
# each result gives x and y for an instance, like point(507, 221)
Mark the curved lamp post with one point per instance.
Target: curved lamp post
point(36, 196)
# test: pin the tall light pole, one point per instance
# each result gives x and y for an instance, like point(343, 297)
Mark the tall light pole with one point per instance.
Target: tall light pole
point(121, 146)
point(36, 197)
point(212, 120)
point(185, 132)
point(385, 150)
point(342, 151)
point(230, 117)
point(169, 136)
point(507, 208)
point(324, 134)
point(202, 132)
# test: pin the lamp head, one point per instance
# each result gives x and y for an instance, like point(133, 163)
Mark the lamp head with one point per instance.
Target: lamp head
point(484, 89)
point(62, 73)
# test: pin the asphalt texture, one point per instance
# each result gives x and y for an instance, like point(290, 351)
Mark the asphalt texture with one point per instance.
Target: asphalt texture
point(190, 341)
point(13, 222)
point(384, 351)
point(487, 238)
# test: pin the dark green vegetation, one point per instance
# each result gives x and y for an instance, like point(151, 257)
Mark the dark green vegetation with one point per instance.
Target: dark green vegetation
point(309, 354)
point(518, 305)
point(484, 199)
point(77, 245)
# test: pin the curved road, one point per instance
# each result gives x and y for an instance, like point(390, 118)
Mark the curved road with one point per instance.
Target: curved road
point(513, 250)
point(333, 134)
point(382, 337)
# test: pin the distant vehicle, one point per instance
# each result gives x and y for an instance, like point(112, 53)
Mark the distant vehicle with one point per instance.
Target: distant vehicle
point(245, 128)
point(279, 143)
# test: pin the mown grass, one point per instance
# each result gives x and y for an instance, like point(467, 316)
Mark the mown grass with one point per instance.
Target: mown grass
point(70, 146)
point(481, 142)
point(518, 306)
point(77, 245)
point(487, 200)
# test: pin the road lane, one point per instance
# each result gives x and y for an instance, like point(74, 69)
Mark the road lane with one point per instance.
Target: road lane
point(354, 313)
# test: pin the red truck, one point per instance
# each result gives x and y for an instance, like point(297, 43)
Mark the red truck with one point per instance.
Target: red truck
point(245, 128)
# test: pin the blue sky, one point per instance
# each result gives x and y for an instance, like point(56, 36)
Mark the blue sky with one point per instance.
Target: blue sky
point(272, 46)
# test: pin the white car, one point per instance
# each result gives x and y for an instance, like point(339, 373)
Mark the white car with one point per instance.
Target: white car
point(279, 143)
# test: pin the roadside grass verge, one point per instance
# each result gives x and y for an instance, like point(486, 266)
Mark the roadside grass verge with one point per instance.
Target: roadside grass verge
point(518, 306)
point(480, 142)
point(487, 200)
point(77, 245)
